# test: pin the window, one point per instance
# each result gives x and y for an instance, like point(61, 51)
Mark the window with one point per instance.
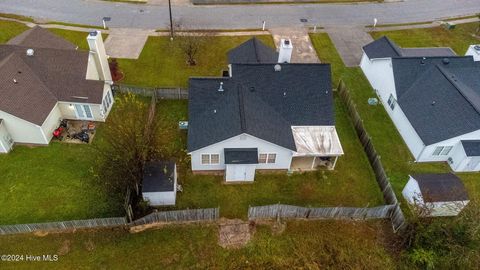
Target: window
point(437, 151)
point(262, 158)
point(210, 159)
point(391, 102)
point(271, 158)
point(446, 150)
point(267, 158)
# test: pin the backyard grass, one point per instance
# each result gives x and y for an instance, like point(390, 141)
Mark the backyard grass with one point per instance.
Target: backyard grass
point(303, 245)
point(163, 64)
point(352, 183)
point(395, 156)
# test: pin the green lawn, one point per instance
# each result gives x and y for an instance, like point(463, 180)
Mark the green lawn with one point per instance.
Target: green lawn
point(10, 29)
point(303, 245)
point(163, 64)
point(458, 39)
point(396, 157)
point(352, 183)
point(76, 37)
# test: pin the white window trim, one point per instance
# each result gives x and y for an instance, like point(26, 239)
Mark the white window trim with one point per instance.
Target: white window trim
point(392, 102)
point(442, 151)
point(209, 158)
point(266, 159)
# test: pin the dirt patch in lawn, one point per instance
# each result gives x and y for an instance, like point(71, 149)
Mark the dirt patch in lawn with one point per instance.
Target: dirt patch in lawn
point(235, 233)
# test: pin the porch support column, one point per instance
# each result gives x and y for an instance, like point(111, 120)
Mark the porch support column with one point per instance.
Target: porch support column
point(335, 162)
point(313, 162)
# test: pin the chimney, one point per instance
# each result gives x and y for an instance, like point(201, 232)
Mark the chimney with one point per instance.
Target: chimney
point(285, 53)
point(98, 58)
point(474, 50)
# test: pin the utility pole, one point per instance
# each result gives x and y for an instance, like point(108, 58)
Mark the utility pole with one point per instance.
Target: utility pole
point(171, 21)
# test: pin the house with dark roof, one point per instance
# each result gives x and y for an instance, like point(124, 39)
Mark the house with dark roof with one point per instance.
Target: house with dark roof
point(263, 116)
point(44, 79)
point(440, 194)
point(433, 98)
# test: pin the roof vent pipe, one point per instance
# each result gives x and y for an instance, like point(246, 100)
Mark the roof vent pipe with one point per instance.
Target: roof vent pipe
point(277, 68)
point(220, 89)
point(30, 52)
point(445, 61)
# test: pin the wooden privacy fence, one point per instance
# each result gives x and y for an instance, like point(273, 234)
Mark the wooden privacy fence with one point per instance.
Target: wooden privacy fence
point(207, 214)
point(291, 211)
point(63, 225)
point(388, 194)
point(161, 93)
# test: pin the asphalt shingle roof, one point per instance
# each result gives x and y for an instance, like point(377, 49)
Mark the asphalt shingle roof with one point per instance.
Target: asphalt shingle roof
point(261, 102)
point(386, 48)
point(252, 51)
point(440, 101)
point(445, 187)
point(241, 155)
point(158, 176)
point(471, 147)
point(30, 86)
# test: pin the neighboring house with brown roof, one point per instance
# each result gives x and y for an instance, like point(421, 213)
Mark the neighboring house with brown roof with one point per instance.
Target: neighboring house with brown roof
point(44, 79)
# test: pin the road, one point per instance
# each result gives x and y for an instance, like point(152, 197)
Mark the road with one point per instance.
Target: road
point(239, 16)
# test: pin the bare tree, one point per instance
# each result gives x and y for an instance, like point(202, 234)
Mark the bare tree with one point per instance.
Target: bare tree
point(126, 143)
point(190, 42)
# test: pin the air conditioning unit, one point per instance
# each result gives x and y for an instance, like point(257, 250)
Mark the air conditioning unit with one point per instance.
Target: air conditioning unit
point(450, 160)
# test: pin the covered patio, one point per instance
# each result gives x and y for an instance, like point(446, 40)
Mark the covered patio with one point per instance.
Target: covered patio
point(317, 146)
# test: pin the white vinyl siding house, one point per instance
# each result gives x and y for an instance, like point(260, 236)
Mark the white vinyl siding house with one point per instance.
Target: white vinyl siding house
point(6, 141)
point(281, 160)
point(380, 74)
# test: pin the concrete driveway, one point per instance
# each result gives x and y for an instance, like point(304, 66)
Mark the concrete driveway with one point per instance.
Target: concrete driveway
point(126, 42)
point(303, 51)
point(349, 42)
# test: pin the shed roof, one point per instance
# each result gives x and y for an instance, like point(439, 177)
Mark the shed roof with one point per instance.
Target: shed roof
point(252, 51)
point(241, 155)
point(471, 147)
point(444, 187)
point(159, 176)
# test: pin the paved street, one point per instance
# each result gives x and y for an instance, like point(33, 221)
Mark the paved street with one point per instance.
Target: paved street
point(239, 16)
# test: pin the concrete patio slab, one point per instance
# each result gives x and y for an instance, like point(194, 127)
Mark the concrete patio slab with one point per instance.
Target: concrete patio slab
point(303, 51)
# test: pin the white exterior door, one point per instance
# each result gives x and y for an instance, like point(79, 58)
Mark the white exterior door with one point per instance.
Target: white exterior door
point(239, 172)
point(83, 111)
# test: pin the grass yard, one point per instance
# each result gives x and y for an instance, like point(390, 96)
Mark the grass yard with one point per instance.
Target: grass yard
point(311, 245)
point(458, 39)
point(396, 157)
point(352, 183)
point(163, 64)
point(75, 37)
point(9, 29)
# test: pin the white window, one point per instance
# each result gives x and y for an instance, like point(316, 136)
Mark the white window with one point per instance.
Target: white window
point(391, 102)
point(267, 158)
point(446, 150)
point(442, 150)
point(210, 159)
point(83, 111)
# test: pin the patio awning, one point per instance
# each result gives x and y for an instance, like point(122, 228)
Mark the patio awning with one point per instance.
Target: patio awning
point(319, 141)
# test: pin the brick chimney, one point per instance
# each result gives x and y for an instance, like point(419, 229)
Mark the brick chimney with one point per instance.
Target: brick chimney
point(98, 68)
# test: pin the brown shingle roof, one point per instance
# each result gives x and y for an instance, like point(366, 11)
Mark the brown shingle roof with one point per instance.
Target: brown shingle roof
point(50, 75)
point(38, 37)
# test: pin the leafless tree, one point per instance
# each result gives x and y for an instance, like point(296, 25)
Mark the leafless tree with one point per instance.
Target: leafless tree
point(126, 143)
point(190, 42)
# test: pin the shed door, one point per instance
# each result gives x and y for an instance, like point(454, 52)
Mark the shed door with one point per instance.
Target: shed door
point(240, 173)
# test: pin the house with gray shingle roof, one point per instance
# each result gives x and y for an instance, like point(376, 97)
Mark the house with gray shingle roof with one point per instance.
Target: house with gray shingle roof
point(264, 116)
point(433, 98)
point(44, 79)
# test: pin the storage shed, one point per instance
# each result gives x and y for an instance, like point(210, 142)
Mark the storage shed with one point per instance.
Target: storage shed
point(438, 194)
point(159, 185)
